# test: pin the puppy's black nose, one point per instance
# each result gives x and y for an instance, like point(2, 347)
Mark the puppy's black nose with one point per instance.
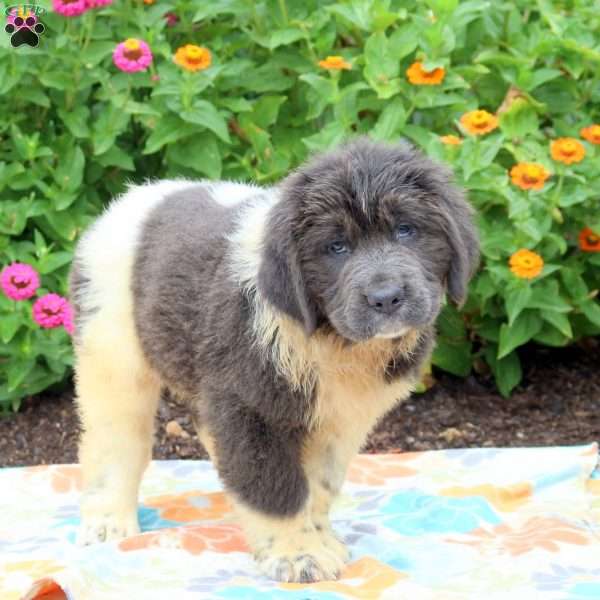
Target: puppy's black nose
point(386, 299)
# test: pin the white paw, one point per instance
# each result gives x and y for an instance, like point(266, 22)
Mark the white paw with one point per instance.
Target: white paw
point(333, 542)
point(304, 559)
point(106, 527)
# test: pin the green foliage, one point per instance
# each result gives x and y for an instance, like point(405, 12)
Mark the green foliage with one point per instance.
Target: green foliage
point(74, 129)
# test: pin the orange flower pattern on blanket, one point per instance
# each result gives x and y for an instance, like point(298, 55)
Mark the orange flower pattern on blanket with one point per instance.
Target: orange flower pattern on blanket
point(183, 509)
point(508, 498)
point(376, 578)
point(545, 533)
point(193, 539)
point(376, 470)
point(63, 478)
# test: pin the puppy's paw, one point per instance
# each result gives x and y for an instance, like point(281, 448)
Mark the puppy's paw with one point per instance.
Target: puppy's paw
point(106, 527)
point(332, 542)
point(302, 560)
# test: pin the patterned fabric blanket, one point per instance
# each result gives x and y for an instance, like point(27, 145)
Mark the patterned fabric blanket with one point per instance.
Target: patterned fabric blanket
point(457, 524)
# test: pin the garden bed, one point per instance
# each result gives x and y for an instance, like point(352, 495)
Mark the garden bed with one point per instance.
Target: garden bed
point(557, 403)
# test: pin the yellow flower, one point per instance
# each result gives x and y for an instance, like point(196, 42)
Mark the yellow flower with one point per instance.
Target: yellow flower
point(479, 122)
point(567, 150)
point(335, 63)
point(417, 75)
point(526, 264)
point(529, 176)
point(591, 134)
point(193, 58)
point(450, 140)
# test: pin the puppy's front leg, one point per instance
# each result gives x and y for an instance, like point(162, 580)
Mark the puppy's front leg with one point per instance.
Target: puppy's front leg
point(262, 469)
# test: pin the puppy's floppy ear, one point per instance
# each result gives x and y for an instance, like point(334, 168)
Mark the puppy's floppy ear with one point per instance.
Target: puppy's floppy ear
point(463, 240)
point(280, 278)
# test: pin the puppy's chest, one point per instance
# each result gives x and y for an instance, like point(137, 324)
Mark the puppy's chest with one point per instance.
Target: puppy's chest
point(350, 400)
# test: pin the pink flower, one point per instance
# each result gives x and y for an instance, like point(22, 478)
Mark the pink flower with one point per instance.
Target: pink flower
point(49, 310)
point(68, 322)
point(70, 8)
point(97, 3)
point(132, 55)
point(172, 19)
point(19, 281)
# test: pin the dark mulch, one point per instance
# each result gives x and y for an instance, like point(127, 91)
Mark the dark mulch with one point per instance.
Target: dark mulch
point(557, 403)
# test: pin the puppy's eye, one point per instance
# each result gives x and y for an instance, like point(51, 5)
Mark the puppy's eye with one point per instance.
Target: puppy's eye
point(404, 230)
point(338, 248)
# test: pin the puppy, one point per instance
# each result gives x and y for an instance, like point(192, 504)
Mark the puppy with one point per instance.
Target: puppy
point(290, 318)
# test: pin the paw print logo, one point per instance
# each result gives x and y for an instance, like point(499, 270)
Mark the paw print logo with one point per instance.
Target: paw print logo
point(23, 29)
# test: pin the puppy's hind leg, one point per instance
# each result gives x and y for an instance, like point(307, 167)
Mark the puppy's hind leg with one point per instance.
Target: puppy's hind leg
point(117, 397)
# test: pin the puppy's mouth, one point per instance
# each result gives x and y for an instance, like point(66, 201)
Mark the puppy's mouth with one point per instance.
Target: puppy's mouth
point(393, 333)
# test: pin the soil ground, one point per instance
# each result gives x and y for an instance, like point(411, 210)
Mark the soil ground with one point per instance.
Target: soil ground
point(557, 403)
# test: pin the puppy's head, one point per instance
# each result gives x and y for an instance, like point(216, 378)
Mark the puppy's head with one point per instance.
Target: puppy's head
point(367, 239)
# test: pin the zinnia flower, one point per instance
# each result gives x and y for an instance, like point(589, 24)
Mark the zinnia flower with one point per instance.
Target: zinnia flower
point(450, 140)
point(588, 240)
point(335, 63)
point(591, 134)
point(68, 322)
point(70, 8)
point(172, 19)
point(49, 310)
point(526, 264)
point(193, 58)
point(567, 150)
point(479, 122)
point(132, 55)
point(19, 281)
point(417, 75)
point(529, 176)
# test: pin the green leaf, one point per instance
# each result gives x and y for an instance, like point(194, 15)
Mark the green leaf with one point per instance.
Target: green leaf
point(516, 300)
point(526, 325)
point(324, 92)
point(51, 262)
point(116, 157)
point(69, 172)
point(520, 120)
point(558, 320)
point(76, 120)
point(591, 310)
point(550, 336)
point(381, 64)
point(204, 113)
point(9, 325)
point(547, 297)
point(403, 41)
point(507, 371)
point(168, 129)
point(283, 37)
point(17, 370)
point(266, 109)
point(453, 357)
point(331, 135)
point(109, 124)
point(200, 153)
point(390, 121)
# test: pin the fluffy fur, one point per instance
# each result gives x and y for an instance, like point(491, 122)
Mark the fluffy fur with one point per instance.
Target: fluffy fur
point(289, 318)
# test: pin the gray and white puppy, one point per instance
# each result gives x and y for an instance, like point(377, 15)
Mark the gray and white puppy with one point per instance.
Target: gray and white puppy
point(290, 318)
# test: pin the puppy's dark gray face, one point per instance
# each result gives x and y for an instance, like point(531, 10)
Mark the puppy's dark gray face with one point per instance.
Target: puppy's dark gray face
point(377, 233)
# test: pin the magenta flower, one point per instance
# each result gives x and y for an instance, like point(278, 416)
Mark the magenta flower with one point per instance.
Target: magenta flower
point(49, 310)
point(97, 3)
point(19, 281)
point(172, 19)
point(132, 55)
point(70, 8)
point(68, 322)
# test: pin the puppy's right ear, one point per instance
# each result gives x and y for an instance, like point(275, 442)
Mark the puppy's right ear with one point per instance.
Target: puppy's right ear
point(280, 279)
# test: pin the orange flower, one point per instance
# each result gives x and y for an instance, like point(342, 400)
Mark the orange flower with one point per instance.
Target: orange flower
point(526, 264)
point(148, 1)
point(417, 75)
point(193, 58)
point(479, 122)
point(591, 134)
point(567, 150)
point(529, 176)
point(450, 140)
point(589, 241)
point(335, 63)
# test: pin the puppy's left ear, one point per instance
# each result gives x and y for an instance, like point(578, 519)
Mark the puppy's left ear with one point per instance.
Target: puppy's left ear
point(280, 278)
point(463, 240)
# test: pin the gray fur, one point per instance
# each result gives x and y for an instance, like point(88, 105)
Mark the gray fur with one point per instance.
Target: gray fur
point(194, 320)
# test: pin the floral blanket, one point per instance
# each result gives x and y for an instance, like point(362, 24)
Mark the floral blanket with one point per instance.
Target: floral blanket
point(456, 524)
